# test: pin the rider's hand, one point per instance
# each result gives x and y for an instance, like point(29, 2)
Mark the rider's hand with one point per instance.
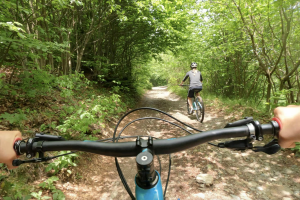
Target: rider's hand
point(7, 153)
point(290, 126)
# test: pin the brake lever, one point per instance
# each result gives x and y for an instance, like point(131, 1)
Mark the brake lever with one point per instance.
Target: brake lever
point(18, 162)
point(237, 144)
point(41, 158)
point(270, 148)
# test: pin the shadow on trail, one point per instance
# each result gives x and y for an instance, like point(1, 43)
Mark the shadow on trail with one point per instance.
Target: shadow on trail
point(237, 175)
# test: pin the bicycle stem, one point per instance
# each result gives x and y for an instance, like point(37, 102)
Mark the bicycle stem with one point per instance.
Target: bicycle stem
point(148, 182)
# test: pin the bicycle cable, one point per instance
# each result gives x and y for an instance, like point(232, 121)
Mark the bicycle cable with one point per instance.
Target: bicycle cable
point(156, 119)
point(169, 172)
point(154, 109)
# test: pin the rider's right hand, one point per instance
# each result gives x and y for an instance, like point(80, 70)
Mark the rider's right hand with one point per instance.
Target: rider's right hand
point(7, 152)
point(290, 126)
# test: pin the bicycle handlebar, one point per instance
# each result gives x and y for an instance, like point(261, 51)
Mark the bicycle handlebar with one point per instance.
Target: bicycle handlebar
point(246, 127)
point(128, 149)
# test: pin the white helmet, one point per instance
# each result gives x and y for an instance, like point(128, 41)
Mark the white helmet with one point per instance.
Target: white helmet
point(193, 65)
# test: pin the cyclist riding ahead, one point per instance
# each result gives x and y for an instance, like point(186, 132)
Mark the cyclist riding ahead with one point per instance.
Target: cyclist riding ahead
point(195, 84)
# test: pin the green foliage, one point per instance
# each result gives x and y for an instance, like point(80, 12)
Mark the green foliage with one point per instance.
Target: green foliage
point(89, 103)
point(158, 80)
point(36, 83)
point(39, 195)
point(158, 74)
point(297, 149)
point(49, 185)
point(118, 87)
point(58, 195)
point(31, 84)
point(14, 27)
point(234, 62)
point(2, 76)
point(179, 90)
point(15, 118)
point(141, 29)
point(51, 125)
point(62, 162)
point(93, 111)
point(18, 198)
point(15, 190)
point(69, 83)
point(280, 98)
point(142, 73)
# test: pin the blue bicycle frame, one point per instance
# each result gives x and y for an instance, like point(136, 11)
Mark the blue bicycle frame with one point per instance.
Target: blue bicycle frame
point(154, 193)
point(150, 187)
point(195, 104)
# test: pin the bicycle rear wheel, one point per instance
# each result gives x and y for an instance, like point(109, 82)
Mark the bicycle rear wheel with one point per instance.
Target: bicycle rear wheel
point(200, 110)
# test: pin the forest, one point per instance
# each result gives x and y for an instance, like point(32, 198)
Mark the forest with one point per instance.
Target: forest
point(70, 67)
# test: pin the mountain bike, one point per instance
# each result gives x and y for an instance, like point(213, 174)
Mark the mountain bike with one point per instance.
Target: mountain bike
point(144, 148)
point(198, 106)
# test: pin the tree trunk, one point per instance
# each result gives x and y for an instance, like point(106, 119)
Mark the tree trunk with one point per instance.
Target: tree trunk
point(269, 89)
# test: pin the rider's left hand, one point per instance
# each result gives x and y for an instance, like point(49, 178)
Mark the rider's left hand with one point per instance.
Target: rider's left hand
point(7, 152)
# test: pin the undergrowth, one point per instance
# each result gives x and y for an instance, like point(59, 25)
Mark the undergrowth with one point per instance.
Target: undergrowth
point(70, 106)
point(231, 106)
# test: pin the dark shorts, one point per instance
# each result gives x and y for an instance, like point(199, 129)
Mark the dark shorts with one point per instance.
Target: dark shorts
point(194, 89)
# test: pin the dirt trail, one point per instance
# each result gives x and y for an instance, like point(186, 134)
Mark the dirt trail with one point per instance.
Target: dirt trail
point(236, 176)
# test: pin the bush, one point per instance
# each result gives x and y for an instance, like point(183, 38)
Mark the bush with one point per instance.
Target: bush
point(35, 83)
point(62, 162)
point(92, 112)
point(70, 83)
point(297, 149)
point(48, 185)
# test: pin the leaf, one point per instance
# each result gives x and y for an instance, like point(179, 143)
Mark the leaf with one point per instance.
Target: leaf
point(48, 168)
point(18, 24)
point(46, 197)
point(54, 178)
point(27, 197)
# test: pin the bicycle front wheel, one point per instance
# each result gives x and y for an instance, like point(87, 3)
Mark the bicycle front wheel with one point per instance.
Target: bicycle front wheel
point(200, 110)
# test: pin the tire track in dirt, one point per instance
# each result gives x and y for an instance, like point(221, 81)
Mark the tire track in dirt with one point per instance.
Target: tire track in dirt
point(245, 175)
